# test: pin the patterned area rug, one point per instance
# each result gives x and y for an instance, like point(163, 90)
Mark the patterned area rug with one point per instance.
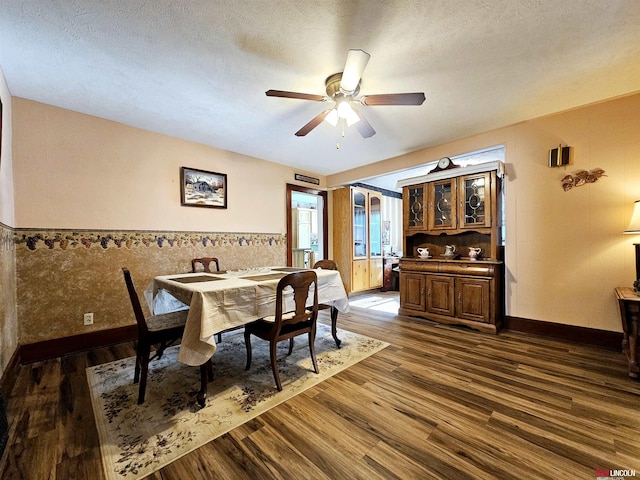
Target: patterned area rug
point(136, 440)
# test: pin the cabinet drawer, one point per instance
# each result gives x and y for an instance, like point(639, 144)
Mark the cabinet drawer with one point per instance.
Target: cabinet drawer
point(469, 268)
point(419, 266)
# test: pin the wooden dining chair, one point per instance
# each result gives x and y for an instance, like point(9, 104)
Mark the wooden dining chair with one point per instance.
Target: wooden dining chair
point(204, 263)
point(327, 264)
point(162, 330)
point(285, 325)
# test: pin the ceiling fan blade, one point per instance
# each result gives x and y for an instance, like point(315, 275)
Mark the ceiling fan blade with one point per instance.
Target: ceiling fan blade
point(353, 68)
point(393, 99)
point(297, 95)
point(364, 128)
point(315, 121)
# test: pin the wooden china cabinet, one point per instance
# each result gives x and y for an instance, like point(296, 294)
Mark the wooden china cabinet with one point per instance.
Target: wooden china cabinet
point(357, 237)
point(460, 207)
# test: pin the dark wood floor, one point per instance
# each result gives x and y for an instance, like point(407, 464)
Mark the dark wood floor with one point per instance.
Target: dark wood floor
point(441, 402)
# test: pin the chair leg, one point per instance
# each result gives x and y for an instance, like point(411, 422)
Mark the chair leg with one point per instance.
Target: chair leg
point(290, 346)
point(219, 338)
point(247, 344)
point(144, 370)
point(274, 364)
point(312, 350)
point(136, 374)
point(334, 322)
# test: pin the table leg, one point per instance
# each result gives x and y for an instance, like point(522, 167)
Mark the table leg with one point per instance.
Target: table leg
point(633, 346)
point(334, 322)
point(206, 375)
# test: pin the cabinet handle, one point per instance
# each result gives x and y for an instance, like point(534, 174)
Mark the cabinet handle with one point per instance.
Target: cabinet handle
point(459, 296)
point(428, 293)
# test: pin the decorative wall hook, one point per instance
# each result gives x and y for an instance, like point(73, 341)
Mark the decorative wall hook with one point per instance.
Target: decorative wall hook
point(581, 178)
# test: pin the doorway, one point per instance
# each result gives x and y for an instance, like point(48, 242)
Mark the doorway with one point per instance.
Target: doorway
point(307, 226)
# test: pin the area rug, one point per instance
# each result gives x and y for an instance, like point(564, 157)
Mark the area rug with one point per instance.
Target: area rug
point(137, 440)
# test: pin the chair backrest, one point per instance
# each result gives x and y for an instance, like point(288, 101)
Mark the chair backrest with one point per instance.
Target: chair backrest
point(206, 264)
point(326, 264)
point(300, 282)
point(135, 303)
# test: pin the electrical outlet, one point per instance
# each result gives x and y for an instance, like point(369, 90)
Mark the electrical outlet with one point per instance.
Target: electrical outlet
point(88, 318)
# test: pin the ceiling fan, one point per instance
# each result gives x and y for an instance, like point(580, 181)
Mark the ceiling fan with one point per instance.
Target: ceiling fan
point(342, 89)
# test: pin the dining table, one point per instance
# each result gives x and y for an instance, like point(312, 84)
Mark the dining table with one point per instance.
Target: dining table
point(226, 300)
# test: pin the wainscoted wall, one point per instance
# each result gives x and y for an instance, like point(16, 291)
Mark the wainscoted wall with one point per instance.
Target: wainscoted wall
point(8, 313)
point(62, 274)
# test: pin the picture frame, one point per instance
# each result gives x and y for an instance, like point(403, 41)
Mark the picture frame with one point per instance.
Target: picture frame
point(386, 232)
point(201, 188)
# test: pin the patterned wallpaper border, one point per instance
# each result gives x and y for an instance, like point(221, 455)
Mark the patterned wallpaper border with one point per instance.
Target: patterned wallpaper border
point(34, 239)
point(7, 242)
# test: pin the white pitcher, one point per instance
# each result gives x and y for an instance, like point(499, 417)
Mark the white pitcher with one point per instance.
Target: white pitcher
point(449, 250)
point(474, 252)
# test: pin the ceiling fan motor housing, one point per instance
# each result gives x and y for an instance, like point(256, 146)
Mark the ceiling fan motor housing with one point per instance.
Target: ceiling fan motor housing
point(332, 84)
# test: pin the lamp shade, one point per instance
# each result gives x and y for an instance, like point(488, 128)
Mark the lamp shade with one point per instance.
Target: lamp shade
point(634, 224)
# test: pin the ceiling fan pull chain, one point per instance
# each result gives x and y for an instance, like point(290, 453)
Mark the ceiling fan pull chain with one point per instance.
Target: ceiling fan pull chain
point(341, 124)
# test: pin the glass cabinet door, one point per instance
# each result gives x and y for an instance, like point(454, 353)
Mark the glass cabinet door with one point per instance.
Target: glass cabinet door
point(414, 207)
point(359, 224)
point(442, 214)
point(375, 226)
point(474, 209)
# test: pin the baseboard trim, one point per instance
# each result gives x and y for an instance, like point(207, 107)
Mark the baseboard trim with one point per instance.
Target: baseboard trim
point(583, 335)
point(35, 352)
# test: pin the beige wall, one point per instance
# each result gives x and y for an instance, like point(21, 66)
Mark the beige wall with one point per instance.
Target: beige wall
point(8, 313)
point(565, 251)
point(93, 196)
point(77, 171)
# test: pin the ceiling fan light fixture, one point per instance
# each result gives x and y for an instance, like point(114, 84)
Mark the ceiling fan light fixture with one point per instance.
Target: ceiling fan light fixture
point(343, 88)
point(332, 117)
point(345, 111)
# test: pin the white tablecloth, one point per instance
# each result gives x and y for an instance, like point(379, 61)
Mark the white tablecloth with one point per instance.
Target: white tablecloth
point(227, 301)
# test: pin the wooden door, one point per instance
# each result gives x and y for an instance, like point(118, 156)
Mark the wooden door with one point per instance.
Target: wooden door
point(472, 299)
point(440, 295)
point(375, 272)
point(412, 291)
point(360, 275)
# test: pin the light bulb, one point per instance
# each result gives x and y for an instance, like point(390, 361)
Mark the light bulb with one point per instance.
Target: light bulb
point(345, 111)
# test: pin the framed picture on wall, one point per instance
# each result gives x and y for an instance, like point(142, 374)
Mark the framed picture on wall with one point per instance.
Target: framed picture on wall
point(199, 188)
point(386, 232)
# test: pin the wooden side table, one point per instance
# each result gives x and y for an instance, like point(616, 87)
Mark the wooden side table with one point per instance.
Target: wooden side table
point(629, 304)
point(387, 273)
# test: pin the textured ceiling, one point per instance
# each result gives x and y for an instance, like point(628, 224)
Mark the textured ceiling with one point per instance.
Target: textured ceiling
point(198, 69)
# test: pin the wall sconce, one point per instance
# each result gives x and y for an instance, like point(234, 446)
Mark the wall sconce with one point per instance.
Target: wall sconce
point(634, 228)
point(581, 178)
point(560, 156)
